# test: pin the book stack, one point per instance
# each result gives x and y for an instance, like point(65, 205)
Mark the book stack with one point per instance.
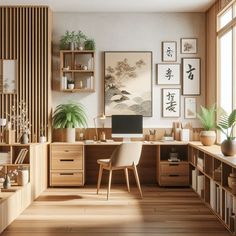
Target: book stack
point(21, 156)
point(5, 158)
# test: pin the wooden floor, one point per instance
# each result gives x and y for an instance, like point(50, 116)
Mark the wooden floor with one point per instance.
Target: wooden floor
point(162, 212)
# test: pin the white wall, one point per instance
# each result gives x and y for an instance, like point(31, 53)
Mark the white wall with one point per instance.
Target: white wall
point(131, 32)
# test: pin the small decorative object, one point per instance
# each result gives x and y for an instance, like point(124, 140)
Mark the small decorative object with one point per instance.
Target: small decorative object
point(84, 67)
point(184, 135)
point(207, 118)
point(168, 74)
point(190, 108)
point(24, 138)
point(3, 123)
point(103, 136)
point(63, 82)
point(177, 127)
point(69, 116)
point(171, 102)
point(169, 51)
point(226, 125)
point(23, 177)
point(42, 138)
point(7, 182)
point(188, 45)
point(70, 84)
point(191, 76)
point(152, 135)
point(101, 118)
point(80, 84)
point(128, 83)
point(81, 48)
point(231, 179)
point(89, 44)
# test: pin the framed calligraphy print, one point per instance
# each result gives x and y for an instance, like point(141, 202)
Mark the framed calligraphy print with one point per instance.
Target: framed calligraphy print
point(190, 108)
point(128, 83)
point(188, 45)
point(171, 102)
point(169, 51)
point(191, 76)
point(168, 74)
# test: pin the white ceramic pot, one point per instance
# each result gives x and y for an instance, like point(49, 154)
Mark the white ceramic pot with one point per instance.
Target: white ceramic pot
point(23, 177)
point(208, 137)
point(42, 139)
point(70, 135)
point(70, 86)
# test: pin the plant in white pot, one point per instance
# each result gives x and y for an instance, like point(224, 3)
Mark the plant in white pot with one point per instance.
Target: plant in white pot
point(226, 125)
point(207, 118)
point(69, 116)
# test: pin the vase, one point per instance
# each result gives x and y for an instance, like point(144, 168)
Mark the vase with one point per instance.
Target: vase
point(208, 137)
point(72, 46)
point(228, 147)
point(7, 182)
point(70, 86)
point(22, 177)
point(70, 135)
point(24, 138)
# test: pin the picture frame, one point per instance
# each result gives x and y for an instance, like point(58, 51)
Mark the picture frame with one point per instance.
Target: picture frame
point(191, 79)
point(190, 108)
point(128, 83)
point(169, 51)
point(189, 45)
point(168, 74)
point(171, 102)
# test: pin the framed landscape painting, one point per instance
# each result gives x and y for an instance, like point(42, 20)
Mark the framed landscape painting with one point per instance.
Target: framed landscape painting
point(168, 74)
point(128, 83)
point(171, 102)
point(191, 76)
point(190, 108)
point(169, 51)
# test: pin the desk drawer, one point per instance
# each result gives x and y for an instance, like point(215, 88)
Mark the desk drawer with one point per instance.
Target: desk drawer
point(174, 180)
point(65, 163)
point(65, 178)
point(67, 151)
point(174, 169)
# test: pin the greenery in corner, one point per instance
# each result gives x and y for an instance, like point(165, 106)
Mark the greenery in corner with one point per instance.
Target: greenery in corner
point(67, 38)
point(227, 123)
point(207, 117)
point(89, 44)
point(71, 115)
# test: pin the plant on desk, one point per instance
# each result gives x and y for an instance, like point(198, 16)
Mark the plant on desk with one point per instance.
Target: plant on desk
point(226, 125)
point(69, 116)
point(207, 118)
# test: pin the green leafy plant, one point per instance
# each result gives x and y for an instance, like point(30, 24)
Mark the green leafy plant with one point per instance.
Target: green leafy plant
point(67, 38)
point(70, 115)
point(70, 81)
point(227, 123)
point(89, 44)
point(207, 117)
point(80, 37)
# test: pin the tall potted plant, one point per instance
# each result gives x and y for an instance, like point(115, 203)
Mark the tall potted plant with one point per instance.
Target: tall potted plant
point(226, 125)
point(69, 39)
point(69, 116)
point(207, 118)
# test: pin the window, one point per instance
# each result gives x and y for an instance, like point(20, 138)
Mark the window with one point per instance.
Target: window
point(226, 91)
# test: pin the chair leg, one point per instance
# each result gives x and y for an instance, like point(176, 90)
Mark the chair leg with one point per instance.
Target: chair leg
point(109, 183)
point(99, 178)
point(127, 178)
point(137, 180)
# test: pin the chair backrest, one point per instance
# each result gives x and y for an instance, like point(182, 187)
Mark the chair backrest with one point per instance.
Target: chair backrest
point(126, 154)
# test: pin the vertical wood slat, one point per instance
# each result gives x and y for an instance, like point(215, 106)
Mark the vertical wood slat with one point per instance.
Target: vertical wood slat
point(25, 35)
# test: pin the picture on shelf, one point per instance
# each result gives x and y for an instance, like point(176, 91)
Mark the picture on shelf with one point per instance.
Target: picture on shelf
point(189, 45)
point(171, 102)
point(169, 51)
point(168, 74)
point(128, 83)
point(190, 108)
point(191, 76)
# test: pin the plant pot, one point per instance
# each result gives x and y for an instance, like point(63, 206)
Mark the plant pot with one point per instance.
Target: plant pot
point(228, 147)
point(208, 137)
point(23, 177)
point(70, 135)
point(70, 86)
point(24, 138)
point(72, 46)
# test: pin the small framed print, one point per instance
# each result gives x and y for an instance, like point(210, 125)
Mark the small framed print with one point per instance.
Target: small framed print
point(190, 108)
point(191, 76)
point(189, 45)
point(168, 74)
point(171, 102)
point(169, 51)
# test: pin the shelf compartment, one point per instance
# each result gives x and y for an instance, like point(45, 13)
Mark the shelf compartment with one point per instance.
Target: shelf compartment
point(217, 170)
point(208, 165)
point(207, 189)
point(180, 149)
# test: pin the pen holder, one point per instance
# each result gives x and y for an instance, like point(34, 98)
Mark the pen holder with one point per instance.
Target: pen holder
point(151, 137)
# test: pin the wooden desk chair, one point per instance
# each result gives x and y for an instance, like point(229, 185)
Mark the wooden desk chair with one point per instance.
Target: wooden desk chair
point(126, 156)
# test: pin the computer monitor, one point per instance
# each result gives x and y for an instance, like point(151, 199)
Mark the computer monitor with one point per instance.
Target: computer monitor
point(127, 126)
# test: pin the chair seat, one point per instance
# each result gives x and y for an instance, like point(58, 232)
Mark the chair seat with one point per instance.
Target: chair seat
point(103, 161)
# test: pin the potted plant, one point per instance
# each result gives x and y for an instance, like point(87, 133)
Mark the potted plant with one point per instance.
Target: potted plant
point(69, 116)
point(89, 44)
point(70, 84)
point(80, 39)
point(68, 40)
point(226, 125)
point(207, 118)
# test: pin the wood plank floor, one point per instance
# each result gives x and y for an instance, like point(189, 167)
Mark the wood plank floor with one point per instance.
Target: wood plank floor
point(79, 211)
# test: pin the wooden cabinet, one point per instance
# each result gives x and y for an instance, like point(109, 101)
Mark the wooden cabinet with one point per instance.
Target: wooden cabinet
point(77, 66)
point(171, 173)
point(67, 164)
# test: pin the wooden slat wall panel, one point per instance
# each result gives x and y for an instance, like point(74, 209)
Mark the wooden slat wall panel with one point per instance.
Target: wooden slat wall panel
point(25, 36)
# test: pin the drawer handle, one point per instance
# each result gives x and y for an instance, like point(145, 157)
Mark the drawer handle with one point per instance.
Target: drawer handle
point(66, 159)
point(174, 164)
point(173, 175)
point(66, 173)
point(66, 150)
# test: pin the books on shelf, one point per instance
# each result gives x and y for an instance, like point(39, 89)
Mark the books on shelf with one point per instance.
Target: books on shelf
point(200, 163)
point(213, 195)
point(21, 156)
point(5, 158)
point(200, 185)
point(194, 179)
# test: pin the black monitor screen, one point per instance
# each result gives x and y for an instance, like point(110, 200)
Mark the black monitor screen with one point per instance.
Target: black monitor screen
point(127, 125)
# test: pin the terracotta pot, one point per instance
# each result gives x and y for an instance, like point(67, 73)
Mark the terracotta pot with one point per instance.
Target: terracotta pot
point(208, 137)
point(228, 147)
